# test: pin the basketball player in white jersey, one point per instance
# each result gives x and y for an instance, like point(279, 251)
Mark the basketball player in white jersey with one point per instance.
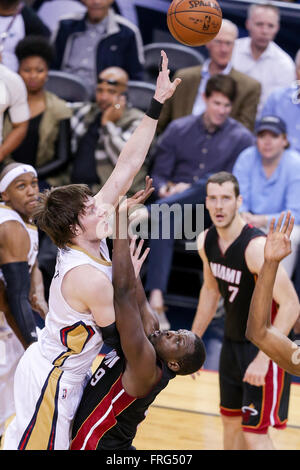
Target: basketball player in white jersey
point(20, 277)
point(52, 373)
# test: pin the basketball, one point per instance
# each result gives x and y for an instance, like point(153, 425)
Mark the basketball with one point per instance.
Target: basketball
point(194, 22)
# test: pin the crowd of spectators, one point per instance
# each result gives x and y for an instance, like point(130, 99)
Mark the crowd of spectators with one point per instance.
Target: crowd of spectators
point(239, 112)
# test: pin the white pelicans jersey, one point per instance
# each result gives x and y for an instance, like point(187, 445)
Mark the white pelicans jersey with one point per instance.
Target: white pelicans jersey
point(7, 214)
point(71, 340)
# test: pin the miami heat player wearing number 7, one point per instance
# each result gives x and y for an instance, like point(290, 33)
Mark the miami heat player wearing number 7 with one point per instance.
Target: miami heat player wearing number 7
point(254, 391)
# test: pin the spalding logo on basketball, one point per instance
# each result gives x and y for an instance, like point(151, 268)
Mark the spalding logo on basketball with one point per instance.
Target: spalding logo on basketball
point(194, 22)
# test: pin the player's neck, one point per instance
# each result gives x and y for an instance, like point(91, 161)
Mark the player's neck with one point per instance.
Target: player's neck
point(25, 217)
point(228, 234)
point(90, 247)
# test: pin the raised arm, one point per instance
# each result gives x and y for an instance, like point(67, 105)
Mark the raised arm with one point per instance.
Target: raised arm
point(141, 369)
point(148, 316)
point(209, 294)
point(267, 337)
point(135, 150)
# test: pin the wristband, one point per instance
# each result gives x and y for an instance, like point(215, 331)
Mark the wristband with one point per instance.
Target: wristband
point(154, 109)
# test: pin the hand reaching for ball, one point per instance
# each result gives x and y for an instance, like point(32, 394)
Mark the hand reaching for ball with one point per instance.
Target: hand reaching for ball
point(164, 87)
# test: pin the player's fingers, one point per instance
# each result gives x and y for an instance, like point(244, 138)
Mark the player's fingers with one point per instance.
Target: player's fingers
point(195, 374)
point(144, 256)
point(286, 222)
point(259, 381)
point(290, 226)
point(132, 244)
point(248, 378)
point(137, 195)
point(139, 248)
point(164, 65)
point(272, 223)
point(176, 82)
point(148, 186)
point(278, 226)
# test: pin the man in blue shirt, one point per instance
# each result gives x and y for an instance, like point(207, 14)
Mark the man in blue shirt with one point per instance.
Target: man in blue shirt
point(285, 103)
point(191, 148)
point(269, 179)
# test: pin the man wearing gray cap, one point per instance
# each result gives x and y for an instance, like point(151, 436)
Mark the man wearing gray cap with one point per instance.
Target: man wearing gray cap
point(269, 177)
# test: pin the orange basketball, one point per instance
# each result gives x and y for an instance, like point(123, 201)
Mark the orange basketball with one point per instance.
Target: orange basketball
point(194, 22)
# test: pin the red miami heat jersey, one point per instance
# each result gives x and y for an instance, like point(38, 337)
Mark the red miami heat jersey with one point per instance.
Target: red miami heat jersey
point(107, 417)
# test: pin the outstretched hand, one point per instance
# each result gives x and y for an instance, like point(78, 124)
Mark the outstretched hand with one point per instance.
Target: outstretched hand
point(135, 252)
point(138, 198)
point(164, 87)
point(278, 244)
point(129, 209)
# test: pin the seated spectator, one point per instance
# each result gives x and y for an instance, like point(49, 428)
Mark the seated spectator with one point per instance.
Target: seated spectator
point(88, 43)
point(191, 149)
point(13, 98)
point(17, 20)
point(269, 178)
point(100, 131)
point(285, 103)
point(259, 56)
point(189, 99)
point(47, 111)
point(52, 11)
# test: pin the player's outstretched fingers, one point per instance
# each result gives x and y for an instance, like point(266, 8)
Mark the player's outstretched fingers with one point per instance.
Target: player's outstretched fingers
point(165, 61)
point(272, 224)
point(279, 223)
point(290, 227)
point(144, 256)
point(288, 221)
point(139, 248)
point(132, 244)
point(177, 82)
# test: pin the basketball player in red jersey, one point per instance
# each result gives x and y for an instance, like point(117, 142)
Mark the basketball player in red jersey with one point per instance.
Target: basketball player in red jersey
point(254, 392)
point(142, 363)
